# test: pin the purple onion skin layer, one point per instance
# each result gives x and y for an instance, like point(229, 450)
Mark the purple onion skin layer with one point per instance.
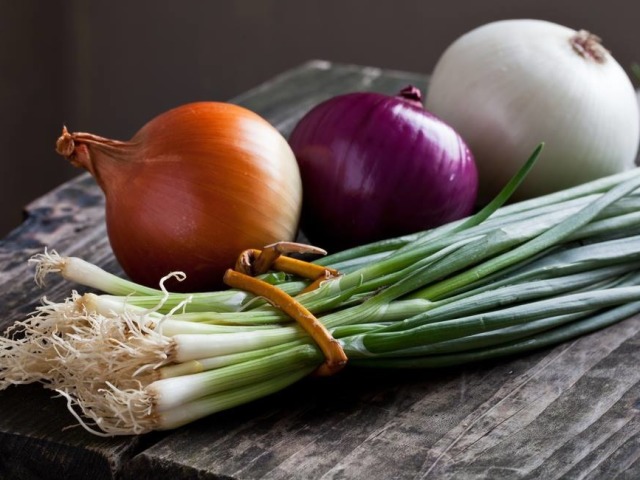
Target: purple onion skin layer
point(375, 166)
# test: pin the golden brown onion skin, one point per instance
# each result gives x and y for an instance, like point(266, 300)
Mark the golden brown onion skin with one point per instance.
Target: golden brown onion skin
point(191, 190)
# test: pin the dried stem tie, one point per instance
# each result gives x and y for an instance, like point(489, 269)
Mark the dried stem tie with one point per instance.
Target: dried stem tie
point(272, 257)
point(255, 262)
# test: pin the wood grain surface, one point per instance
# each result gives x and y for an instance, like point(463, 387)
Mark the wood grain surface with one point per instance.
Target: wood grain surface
point(568, 412)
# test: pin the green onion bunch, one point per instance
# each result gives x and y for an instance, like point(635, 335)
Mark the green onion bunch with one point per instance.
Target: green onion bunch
point(508, 280)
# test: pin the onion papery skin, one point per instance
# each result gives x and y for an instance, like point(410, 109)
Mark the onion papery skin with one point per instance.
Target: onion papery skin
point(375, 166)
point(191, 190)
point(508, 85)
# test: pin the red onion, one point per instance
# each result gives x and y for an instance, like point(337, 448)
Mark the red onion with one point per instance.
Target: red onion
point(375, 166)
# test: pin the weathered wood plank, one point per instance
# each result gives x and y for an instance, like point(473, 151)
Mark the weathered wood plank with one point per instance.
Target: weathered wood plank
point(71, 220)
point(35, 441)
point(572, 411)
point(284, 100)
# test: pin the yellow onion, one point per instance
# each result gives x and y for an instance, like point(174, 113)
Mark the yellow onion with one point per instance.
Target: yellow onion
point(192, 189)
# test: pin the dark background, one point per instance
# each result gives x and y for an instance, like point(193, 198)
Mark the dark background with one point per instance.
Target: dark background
point(109, 66)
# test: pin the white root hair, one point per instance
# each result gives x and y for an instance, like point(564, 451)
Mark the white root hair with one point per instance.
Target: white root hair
point(112, 411)
point(109, 387)
point(179, 276)
point(46, 263)
point(100, 363)
point(29, 351)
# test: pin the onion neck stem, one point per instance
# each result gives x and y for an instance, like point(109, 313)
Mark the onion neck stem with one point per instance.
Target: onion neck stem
point(412, 95)
point(76, 147)
point(589, 46)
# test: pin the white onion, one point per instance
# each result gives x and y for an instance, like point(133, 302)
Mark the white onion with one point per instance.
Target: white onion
point(509, 85)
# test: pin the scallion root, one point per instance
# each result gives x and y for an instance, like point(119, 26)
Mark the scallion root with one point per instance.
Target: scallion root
point(30, 350)
point(95, 361)
point(112, 410)
point(46, 263)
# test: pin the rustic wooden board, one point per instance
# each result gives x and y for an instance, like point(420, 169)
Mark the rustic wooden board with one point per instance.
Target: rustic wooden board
point(572, 411)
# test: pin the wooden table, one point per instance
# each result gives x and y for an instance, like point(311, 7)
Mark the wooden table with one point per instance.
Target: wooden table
point(572, 411)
